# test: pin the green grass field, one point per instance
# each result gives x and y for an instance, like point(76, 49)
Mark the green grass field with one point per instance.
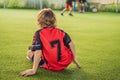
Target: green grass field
point(96, 36)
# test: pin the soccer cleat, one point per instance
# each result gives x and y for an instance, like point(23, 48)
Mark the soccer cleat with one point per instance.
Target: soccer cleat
point(61, 14)
point(70, 14)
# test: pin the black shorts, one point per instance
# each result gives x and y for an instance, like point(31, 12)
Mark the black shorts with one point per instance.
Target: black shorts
point(82, 1)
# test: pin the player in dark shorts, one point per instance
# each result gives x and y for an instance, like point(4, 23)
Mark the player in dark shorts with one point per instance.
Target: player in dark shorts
point(81, 5)
point(68, 6)
point(52, 48)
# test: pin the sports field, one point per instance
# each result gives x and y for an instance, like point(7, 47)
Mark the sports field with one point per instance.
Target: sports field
point(96, 36)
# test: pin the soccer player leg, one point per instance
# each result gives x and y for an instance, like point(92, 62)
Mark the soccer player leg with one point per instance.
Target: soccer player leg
point(84, 5)
point(71, 8)
point(30, 55)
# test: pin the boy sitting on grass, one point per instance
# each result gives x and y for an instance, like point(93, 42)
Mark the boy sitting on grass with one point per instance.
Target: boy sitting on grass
point(52, 48)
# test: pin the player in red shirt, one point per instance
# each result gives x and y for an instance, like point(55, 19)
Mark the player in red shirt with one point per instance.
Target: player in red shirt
point(68, 6)
point(52, 48)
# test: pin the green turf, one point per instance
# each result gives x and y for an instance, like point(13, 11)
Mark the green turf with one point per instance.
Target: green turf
point(96, 36)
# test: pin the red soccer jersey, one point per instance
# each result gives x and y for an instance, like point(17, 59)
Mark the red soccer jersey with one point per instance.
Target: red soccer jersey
point(54, 45)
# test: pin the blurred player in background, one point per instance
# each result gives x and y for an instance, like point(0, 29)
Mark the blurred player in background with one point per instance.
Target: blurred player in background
point(68, 6)
point(81, 6)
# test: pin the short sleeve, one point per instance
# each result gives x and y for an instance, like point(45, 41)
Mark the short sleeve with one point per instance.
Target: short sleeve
point(36, 44)
point(66, 40)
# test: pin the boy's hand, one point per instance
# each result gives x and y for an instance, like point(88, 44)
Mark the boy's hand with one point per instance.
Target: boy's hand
point(77, 64)
point(27, 72)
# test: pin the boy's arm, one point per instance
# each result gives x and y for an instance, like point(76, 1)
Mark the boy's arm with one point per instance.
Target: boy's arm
point(72, 47)
point(37, 58)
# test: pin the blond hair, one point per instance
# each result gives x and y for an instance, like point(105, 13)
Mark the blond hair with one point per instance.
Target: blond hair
point(46, 18)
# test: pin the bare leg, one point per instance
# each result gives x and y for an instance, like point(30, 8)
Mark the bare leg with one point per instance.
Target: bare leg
point(79, 7)
point(30, 54)
point(70, 10)
point(84, 6)
point(63, 11)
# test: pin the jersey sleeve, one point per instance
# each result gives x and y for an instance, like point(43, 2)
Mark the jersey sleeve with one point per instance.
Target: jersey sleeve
point(66, 40)
point(36, 43)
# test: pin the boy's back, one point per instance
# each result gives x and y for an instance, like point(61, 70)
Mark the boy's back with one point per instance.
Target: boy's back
point(50, 45)
point(57, 55)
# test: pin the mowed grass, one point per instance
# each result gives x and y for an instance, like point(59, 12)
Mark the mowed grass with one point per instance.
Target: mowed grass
point(96, 36)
